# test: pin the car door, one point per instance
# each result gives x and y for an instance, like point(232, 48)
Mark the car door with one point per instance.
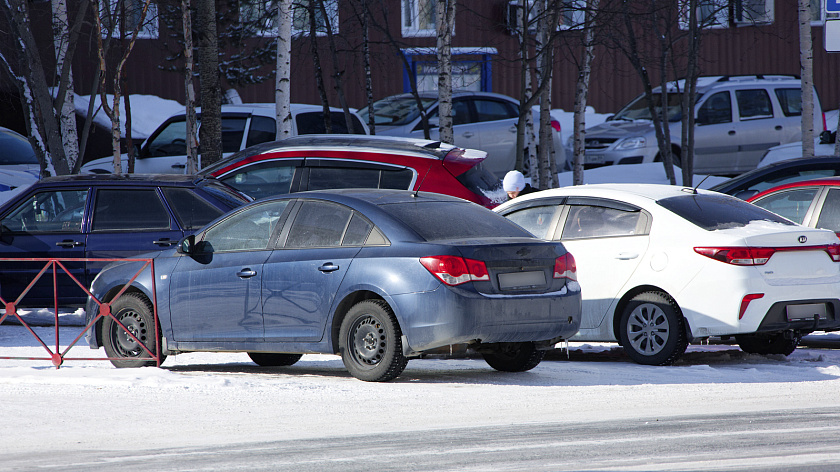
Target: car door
point(46, 224)
point(325, 174)
point(165, 151)
point(757, 129)
point(496, 126)
point(215, 295)
point(608, 240)
point(715, 137)
point(303, 275)
point(126, 222)
point(265, 178)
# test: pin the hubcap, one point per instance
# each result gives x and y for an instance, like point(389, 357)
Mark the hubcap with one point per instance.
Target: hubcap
point(648, 329)
point(135, 325)
point(368, 340)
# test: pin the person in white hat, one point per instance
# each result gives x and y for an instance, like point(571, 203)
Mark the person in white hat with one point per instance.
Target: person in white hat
point(514, 184)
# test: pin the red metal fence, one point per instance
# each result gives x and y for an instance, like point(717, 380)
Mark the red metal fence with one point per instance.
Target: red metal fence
point(58, 356)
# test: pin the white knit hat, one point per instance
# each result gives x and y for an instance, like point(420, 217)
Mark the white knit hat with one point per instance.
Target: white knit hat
point(514, 181)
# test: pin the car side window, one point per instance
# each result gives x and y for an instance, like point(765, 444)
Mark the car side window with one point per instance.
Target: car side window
point(793, 204)
point(586, 221)
point(357, 231)
point(171, 141)
point(190, 210)
point(250, 229)
point(318, 224)
point(129, 209)
point(830, 213)
point(717, 109)
point(263, 180)
point(263, 129)
point(754, 104)
point(233, 130)
point(790, 100)
point(536, 220)
point(55, 211)
point(494, 110)
point(323, 178)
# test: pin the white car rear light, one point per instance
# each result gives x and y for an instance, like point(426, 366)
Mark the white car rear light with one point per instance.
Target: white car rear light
point(754, 256)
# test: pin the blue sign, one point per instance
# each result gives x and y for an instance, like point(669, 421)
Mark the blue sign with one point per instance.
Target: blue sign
point(832, 6)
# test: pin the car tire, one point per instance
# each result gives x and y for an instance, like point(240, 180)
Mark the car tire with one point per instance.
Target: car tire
point(652, 329)
point(136, 313)
point(274, 359)
point(513, 357)
point(765, 344)
point(370, 342)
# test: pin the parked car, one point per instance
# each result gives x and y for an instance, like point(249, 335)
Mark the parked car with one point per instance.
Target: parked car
point(823, 146)
point(164, 152)
point(371, 275)
point(661, 266)
point(481, 120)
point(327, 162)
point(103, 216)
point(814, 203)
point(738, 119)
point(758, 180)
point(16, 154)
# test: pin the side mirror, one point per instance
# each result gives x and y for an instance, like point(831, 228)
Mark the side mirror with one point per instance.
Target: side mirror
point(186, 245)
point(434, 122)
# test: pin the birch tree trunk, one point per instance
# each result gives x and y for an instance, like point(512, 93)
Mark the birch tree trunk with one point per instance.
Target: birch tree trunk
point(806, 69)
point(210, 132)
point(368, 77)
point(67, 112)
point(338, 82)
point(189, 88)
point(582, 91)
point(316, 61)
point(283, 85)
point(445, 21)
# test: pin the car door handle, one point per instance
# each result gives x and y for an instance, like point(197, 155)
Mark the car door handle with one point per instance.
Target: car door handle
point(468, 134)
point(163, 242)
point(328, 267)
point(626, 256)
point(512, 129)
point(179, 166)
point(779, 127)
point(246, 273)
point(732, 132)
point(69, 243)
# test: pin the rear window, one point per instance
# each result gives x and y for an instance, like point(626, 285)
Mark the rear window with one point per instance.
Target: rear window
point(453, 220)
point(313, 123)
point(223, 193)
point(714, 212)
point(480, 181)
point(16, 149)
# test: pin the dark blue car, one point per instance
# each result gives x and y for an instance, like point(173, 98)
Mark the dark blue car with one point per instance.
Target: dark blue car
point(99, 216)
point(378, 276)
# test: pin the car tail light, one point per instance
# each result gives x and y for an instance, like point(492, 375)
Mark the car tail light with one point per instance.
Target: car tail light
point(454, 270)
point(743, 256)
point(825, 127)
point(556, 125)
point(746, 302)
point(565, 267)
point(754, 256)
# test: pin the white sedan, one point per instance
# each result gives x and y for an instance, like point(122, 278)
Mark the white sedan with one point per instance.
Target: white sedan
point(661, 266)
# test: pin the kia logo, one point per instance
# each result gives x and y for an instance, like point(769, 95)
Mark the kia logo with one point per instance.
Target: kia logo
point(803, 239)
point(523, 252)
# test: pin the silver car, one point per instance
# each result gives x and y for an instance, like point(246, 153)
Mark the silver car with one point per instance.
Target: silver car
point(482, 120)
point(738, 119)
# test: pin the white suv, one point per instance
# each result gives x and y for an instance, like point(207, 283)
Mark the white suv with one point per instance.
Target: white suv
point(738, 119)
point(164, 152)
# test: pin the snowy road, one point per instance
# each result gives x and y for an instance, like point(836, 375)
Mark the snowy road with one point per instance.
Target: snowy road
point(718, 409)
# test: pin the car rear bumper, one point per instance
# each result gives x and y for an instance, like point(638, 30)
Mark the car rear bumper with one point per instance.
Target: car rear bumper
point(450, 315)
point(778, 317)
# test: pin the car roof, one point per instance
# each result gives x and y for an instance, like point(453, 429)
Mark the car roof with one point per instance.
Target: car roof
point(265, 109)
point(127, 179)
point(456, 93)
point(735, 182)
point(378, 196)
point(828, 181)
point(706, 83)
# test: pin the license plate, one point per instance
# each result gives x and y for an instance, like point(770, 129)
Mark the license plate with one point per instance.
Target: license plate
point(593, 159)
point(806, 311)
point(515, 280)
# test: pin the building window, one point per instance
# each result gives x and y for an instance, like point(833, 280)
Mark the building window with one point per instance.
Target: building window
point(752, 12)
point(726, 13)
point(710, 13)
point(572, 15)
point(262, 16)
point(419, 18)
point(127, 14)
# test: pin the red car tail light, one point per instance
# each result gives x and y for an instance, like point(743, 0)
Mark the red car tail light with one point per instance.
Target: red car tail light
point(565, 267)
point(743, 256)
point(454, 270)
point(746, 302)
point(556, 125)
point(833, 251)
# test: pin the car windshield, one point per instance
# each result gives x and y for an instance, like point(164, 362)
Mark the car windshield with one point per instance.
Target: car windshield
point(16, 149)
point(638, 108)
point(714, 212)
point(435, 221)
point(395, 111)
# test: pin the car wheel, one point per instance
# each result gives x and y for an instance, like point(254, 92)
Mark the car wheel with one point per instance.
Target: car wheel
point(767, 343)
point(370, 342)
point(272, 359)
point(135, 312)
point(513, 357)
point(652, 330)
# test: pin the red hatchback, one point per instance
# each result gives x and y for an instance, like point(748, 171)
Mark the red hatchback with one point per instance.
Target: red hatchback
point(322, 162)
point(814, 203)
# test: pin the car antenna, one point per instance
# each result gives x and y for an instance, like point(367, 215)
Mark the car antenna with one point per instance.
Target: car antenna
point(421, 182)
point(694, 190)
